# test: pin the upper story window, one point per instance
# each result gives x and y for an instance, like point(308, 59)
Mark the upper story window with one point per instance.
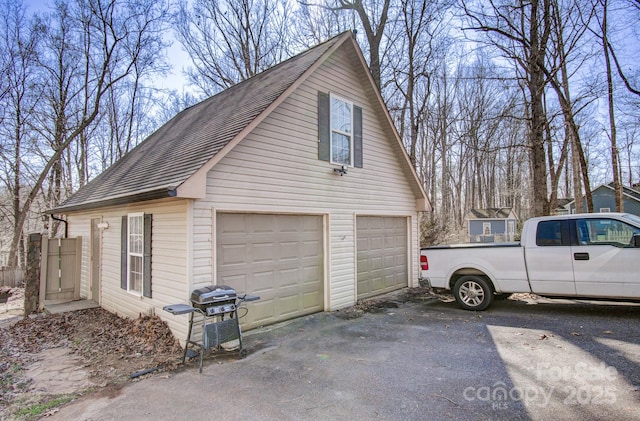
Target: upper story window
point(341, 131)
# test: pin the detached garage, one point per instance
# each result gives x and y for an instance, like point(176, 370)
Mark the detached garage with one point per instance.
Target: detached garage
point(292, 185)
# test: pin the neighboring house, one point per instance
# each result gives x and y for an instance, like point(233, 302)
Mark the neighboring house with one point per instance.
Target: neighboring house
point(491, 225)
point(293, 185)
point(604, 200)
point(563, 207)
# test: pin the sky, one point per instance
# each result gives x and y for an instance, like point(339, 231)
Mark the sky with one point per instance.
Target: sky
point(176, 56)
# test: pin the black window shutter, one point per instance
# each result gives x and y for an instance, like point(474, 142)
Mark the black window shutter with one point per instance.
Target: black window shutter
point(146, 288)
point(357, 136)
point(324, 136)
point(123, 252)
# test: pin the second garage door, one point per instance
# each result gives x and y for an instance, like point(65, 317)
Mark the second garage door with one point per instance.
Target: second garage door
point(382, 254)
point(278, 257)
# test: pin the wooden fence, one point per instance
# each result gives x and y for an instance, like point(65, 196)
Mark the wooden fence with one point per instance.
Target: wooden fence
point(11, 277)
point(60, 268)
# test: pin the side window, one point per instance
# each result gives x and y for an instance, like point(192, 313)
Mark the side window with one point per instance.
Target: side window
point(549, 233)
point(604, 231)
point(339, 131)
point(135, 252)
point(135, 259)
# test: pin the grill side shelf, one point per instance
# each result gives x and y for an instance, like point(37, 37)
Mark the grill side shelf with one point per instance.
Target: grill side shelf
point(177, 309)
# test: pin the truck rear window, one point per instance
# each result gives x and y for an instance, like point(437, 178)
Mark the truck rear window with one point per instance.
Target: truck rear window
point(549, 233)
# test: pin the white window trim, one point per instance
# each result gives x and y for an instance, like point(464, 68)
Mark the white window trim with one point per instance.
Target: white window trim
point(484, 226)
point(129, 254)
point(331, 130)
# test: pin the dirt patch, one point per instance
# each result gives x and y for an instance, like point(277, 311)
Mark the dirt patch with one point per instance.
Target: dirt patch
point(91, 348)
point(11, 305)
point(58, 371)
point(391, 300)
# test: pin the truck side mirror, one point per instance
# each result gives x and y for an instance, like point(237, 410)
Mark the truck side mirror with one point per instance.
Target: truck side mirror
point(636, 240)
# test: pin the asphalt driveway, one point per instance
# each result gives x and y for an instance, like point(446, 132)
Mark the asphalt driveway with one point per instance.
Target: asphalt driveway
point(407, 358)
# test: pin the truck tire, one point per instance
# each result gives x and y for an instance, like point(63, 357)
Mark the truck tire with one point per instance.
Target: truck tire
point(473, 292)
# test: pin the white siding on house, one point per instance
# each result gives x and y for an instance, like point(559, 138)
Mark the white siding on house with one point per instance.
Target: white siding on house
point(276, 169)
point(169, 260)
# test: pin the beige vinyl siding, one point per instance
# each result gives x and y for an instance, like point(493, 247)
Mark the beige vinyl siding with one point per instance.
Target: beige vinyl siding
point(276, 169)
point(169, 260)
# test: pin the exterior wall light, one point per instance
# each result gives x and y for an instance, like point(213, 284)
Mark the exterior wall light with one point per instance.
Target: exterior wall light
point(342, 170)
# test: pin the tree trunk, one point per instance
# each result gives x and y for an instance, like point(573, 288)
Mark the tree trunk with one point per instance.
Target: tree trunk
point(535, 85)
point(617, 186)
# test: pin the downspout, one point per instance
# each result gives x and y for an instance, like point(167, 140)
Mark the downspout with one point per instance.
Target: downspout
point(59, 264)
point(64, 222)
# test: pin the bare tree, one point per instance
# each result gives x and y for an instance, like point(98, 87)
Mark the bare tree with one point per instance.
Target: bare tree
point(314, 25)
point(373, 16)
point(111, 47)
point(617, 186)
point(230, 41)
point(418, 45)
point(521, 31)
point(129, 106)
point(569, 27)
point(633, 6)
point(20, 39)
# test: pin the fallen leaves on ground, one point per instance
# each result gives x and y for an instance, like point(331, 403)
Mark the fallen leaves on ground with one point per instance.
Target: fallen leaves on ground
point(111, 348)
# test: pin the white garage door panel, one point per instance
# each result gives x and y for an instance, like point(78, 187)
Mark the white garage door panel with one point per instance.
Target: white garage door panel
point(278, 257)
point(382, 255)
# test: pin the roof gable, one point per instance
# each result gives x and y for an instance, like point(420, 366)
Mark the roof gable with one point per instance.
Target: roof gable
point(626, 191)
point(491, 213)
point(174, 160)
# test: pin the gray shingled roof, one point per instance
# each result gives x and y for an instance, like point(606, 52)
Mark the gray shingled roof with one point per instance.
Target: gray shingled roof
point(634, 194)
point(167, 158)
point(489, 213)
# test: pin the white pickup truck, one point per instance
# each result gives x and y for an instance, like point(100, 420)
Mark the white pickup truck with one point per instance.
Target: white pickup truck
point(591, 255)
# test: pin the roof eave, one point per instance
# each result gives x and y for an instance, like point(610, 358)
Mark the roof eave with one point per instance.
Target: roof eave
point(143, 196)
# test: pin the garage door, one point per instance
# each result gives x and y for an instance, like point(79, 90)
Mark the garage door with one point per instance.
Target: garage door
point(382, 254)
point(278, 257)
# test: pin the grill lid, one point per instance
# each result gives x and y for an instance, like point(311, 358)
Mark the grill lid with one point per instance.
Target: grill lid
point(213, 294)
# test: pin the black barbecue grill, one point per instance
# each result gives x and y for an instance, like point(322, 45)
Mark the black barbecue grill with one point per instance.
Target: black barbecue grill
point(218, 306)
point(214, 299)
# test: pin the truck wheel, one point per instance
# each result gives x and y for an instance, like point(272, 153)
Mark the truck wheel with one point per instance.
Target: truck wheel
point(473, 293)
